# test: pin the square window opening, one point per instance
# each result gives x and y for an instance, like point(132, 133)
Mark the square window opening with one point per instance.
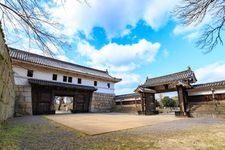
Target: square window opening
point(70, 79)
point(64, 78)
point(30, 73)
point(95, 83)
point(54, 77)
point(108, 85)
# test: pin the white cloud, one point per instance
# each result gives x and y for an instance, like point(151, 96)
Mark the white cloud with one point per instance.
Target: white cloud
point(120, 58)
point(129, 82)
point(128, 78)
point(192, 36)
point(157, 12)
point(112, 15)
point(122, 61)
point(210, 73)
point(58, 53)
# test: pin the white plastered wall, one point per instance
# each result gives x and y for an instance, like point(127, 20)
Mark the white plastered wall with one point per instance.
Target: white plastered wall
point(205, 91)
point(20, 74)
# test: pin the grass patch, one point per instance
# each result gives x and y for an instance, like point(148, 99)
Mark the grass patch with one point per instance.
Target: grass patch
point(199, 137)
point(49, 135)
point(124, 143)
point(207, 137)
point(9, 135)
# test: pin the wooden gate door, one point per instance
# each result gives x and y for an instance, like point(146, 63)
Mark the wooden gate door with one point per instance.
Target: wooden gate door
point(41, 101)
point(81, 103)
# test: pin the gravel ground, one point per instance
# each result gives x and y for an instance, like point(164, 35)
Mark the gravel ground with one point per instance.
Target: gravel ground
point(42, 133)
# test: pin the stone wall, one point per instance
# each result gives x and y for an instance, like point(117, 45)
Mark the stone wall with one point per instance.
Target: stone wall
point(102, 102)
point(7, 84)
point(208, 109)
point(23, 101)
point(131, 108)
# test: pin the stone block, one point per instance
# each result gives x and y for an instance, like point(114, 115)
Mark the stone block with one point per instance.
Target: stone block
point(27, 93)
point(2, 49)
point(27, 89)
point(21, 105)
point(4, 94)
point(2, 107)
point(102, 102)
point(1, 90)
point(19, 88)
point(7, 94)
point(2, 66)
point(29, 111)
point(28, 105)
point(27, 99)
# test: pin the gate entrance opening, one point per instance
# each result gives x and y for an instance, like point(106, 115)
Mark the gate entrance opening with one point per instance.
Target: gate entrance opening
point(50, 97)
point(63, 104)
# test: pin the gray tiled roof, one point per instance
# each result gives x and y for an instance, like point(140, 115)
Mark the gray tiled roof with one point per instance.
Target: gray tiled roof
point(209, 85)
point(131, 95)
point(55, 63)
point(59, 84)
point(187, 75)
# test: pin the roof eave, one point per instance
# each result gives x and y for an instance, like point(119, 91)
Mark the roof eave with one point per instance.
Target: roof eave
point(114, 80)
point(59, 84)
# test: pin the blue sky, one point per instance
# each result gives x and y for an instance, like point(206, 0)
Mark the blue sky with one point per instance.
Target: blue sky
point(132, 40)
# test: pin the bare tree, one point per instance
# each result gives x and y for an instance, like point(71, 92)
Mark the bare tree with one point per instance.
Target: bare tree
point(193, 12)
point(30, 18)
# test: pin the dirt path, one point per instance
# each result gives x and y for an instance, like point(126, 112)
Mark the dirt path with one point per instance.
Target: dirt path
point(99, 123)
point(41, 133)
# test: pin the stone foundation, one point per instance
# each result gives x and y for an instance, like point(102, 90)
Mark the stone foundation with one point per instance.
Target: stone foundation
point(7, 84)
point(102, 102)
point(132, 108)
point(214, 109)
point(23, 100)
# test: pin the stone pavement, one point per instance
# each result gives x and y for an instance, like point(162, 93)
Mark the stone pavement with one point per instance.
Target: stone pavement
point(99, 123)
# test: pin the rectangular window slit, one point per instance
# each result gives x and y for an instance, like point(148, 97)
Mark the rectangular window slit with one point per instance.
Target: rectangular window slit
point(79, 80)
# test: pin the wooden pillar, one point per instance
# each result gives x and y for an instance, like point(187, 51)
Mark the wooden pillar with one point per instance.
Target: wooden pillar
point(74, 103)
point(183, 101)
point(186, 103)
point(142, 102)
point(150, 105)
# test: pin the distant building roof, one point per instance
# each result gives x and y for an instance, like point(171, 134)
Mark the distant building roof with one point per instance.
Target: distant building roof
point(51, 62)
point(187, 75)
point(59, 84)
point(209, 85)
point(130, 95)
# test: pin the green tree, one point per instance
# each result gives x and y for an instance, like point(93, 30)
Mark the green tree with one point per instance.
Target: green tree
point(168, 102)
